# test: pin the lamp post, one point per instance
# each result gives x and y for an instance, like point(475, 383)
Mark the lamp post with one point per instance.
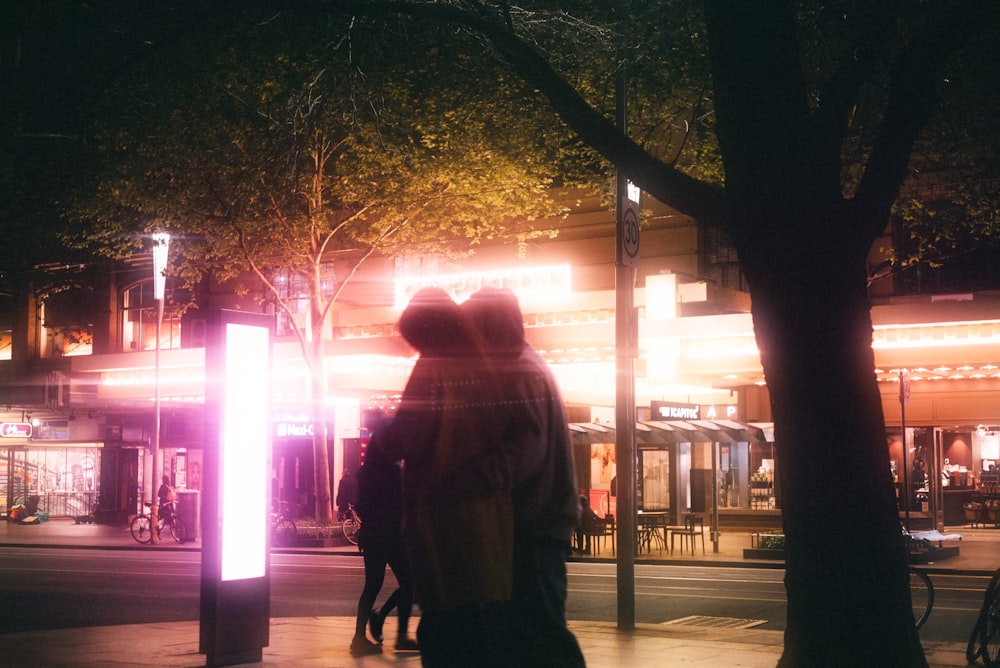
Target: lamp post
point(161, 247)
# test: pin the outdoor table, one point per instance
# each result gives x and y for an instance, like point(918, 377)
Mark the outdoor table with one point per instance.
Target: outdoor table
point(652, 527)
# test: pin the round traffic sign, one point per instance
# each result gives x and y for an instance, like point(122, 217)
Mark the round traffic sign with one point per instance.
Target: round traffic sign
point(630, 233)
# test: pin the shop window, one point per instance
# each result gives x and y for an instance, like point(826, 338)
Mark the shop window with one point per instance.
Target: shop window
point(67, 323)
point(655, 480)
point(7, 315)
point(66, 479)
point(293, 291)
point(721, 263)
point(139, 317)
point(6, 342)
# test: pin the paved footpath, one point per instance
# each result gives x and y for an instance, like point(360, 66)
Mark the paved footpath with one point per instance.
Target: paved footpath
point(323, 641)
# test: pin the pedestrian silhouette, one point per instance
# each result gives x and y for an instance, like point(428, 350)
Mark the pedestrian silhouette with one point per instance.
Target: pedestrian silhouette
point(460, 544)
point(379, 505)
point(347, 491)
point(537, 458)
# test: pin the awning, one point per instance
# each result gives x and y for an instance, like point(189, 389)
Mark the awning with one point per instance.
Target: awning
point(666, 432)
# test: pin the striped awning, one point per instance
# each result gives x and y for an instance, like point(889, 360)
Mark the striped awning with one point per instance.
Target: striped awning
point(665, 432)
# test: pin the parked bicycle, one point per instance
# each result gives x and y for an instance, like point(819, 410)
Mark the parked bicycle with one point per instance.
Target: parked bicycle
point(984, 642)
point(283, 529)
point(141, 526)
point(921, 589)
point(352, 524)
point(922, 596)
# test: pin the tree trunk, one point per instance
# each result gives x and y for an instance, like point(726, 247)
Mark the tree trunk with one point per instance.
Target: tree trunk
point(321, 459)
point(846, 567)
point(803, 250)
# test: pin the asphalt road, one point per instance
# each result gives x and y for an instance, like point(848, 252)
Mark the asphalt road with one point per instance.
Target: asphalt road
point(43, 588)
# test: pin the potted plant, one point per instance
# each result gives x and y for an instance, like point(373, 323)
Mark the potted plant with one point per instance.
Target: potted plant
point(992, 507)
point(973, 512)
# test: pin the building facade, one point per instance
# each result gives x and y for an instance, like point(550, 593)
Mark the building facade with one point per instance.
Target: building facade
point(78, 404)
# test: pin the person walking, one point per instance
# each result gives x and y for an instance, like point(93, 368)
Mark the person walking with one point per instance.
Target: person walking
point(347, 492)
point(460, 543)
point(379, 505)
point(536, 462)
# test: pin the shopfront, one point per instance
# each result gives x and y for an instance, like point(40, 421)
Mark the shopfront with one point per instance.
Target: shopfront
point(64, 477)
point(700, 466)
point(942, 471)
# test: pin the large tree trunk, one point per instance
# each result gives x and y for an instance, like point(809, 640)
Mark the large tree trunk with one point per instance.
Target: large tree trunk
point(803, 249)
point(846, 568)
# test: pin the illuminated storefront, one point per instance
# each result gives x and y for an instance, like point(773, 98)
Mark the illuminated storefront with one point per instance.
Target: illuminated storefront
point(38, 460)
point(706, 360)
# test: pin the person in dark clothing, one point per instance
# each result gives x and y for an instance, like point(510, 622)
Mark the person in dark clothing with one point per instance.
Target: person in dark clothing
point(379, 505)
point(347, 492)
point(588, 518)
point(536, 462)
point(165, 495)
point(459, 540)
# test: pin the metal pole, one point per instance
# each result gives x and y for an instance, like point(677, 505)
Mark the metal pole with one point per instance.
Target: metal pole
point(154, 511)
point(625, 335)
point(715, 497)
point(905, 493)
point(161, 247)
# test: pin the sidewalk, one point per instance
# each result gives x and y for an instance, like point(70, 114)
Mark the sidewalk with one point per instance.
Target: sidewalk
point(323, 641)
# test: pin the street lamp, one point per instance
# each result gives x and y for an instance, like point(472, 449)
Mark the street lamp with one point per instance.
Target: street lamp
point(161, 248)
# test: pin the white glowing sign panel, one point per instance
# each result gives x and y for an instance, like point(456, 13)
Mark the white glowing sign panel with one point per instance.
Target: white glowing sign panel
point(244, 452)
point(524, 282)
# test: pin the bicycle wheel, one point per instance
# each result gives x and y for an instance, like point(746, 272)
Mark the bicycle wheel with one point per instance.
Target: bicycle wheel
point(178, 529)
point(351, 526)
point(922, 596)
point(990, 632)
point(141, 529)
point(975, 646)
point(283, 533)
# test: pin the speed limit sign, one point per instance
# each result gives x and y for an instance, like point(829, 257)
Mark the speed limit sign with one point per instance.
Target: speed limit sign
point(628, 232)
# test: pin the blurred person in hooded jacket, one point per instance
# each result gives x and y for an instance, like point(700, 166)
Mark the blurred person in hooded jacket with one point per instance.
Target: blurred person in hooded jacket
point(536, 463)
point(459, 538)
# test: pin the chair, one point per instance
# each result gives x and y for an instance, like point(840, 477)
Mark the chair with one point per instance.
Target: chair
point(694, 525)
point(598, 529)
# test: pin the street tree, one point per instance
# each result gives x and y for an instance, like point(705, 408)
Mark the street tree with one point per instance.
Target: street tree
point(816, 109)
point(292, 151)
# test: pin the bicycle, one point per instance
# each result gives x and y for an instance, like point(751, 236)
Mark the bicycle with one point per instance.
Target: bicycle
point(141, 524)
point(921, 595)
point(352, 524)
point(283, 529)
point(985, 638)
point(921, 589)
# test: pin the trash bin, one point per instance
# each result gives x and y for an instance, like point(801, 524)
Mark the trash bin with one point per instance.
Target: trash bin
point(189, 509)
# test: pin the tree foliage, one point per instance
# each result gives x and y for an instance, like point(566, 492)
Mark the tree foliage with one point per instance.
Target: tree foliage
point(293, 149)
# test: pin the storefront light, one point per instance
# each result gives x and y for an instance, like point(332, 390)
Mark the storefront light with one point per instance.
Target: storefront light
point(526, 282)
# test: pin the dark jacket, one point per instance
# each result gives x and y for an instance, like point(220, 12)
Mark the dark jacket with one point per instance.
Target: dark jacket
point(460, 544)
point(537, 449)
point(379, 502)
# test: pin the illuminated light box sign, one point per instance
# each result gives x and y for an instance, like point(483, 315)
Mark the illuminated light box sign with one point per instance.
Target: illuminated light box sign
point(293, 429)
point(235, 573)
point(524, 282)
point(663, 410)
point(15, 429)
point(245, 451)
